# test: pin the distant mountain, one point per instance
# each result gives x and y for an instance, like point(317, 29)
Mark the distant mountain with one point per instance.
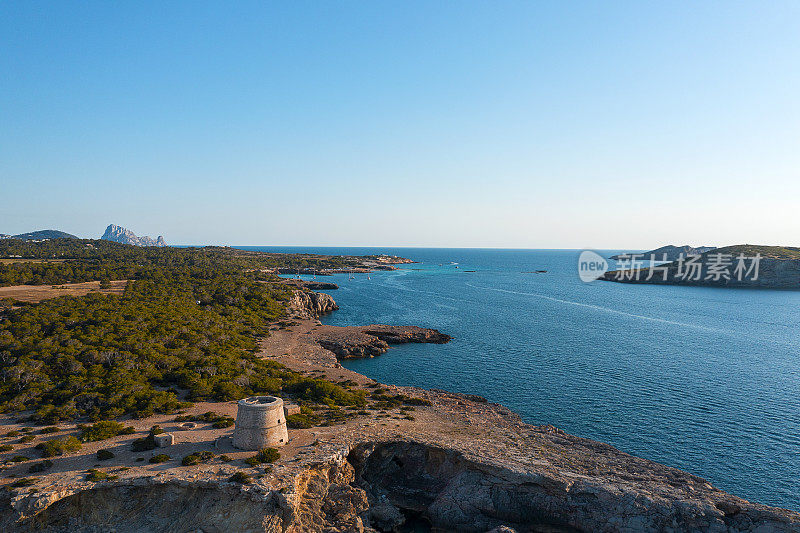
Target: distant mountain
point(40, 235)
point(125, 236)
point(673, 252)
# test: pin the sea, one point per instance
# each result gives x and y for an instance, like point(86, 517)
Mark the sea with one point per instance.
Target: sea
point(703, 379)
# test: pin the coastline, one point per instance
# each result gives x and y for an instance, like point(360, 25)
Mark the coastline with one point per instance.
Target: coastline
point(459, 463)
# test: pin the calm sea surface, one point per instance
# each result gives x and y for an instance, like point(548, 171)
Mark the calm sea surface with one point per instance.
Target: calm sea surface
point(706, 380)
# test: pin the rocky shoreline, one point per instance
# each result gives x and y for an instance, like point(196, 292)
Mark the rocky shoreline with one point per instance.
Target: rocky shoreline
point(452, 462)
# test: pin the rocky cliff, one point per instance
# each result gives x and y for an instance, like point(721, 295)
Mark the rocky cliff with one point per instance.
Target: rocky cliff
point(498, 476)
point(125, 236)
point(309, 304)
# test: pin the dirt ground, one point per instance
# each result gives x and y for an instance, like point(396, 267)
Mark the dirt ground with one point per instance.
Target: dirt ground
point(37, 293)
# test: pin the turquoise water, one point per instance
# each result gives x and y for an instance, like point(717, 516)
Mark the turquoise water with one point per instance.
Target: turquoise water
point(706, 380)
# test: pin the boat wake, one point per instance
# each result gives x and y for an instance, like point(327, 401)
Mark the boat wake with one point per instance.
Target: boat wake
point(603, 309)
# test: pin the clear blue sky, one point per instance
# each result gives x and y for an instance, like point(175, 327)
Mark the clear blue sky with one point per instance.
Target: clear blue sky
point(508, 124)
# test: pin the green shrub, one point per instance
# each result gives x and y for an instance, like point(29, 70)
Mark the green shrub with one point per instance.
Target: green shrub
point(104, 455)
point(218, 421)
point(240, 477)
point(12, 433)
point(149, 442)
point(160, 458)
point(59, 446)
point(197, 458)
point(322, 391)
point(104, 429)
point(24, 482)
point(299, 421)
point(98, 475)
point(224, 422)
point(48, 430)
point(19, 459)
point(417, 401)
point(267, 455)
point(225, 459)
point(41, 466)
point(27, 438)
point(6, 448)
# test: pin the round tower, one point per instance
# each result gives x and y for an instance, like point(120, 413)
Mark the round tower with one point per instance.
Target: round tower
point(260, 423)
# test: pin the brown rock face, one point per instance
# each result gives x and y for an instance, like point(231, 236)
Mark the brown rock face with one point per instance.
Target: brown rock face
point(309, 304)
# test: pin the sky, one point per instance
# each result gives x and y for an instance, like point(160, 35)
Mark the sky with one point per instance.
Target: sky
point(604, 125)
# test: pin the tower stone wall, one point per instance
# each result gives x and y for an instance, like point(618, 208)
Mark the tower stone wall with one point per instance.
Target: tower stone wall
point(260, 423)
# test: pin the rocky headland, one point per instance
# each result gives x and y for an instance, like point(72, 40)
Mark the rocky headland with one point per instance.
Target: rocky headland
point(413, 460)
point(125, 236)
point(356, 342)
point(777, 267)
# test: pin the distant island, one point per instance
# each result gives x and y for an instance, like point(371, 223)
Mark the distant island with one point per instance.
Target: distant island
point(125, 236)
point(41, 235)
point(670, 252)
point(742, 265)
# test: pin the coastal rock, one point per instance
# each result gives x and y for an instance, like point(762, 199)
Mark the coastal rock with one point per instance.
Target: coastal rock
point(404, 334)
point(125, 236)
point(352, 344)
point(310, 285)
point(357, 342)
point(309, 304)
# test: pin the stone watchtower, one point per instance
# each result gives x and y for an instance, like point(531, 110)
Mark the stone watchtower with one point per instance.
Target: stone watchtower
point(260, 423)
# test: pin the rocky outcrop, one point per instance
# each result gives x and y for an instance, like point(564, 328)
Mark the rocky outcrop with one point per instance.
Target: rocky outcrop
point(309, 304)
point(408, 484)
point(356, 342)
point(351, 343)
point(451, 492)
point(310, 285)
point(405, 334)
point(125, 236)
point(146, 505)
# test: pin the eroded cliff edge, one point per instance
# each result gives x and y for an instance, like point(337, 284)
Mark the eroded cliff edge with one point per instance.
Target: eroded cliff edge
point(450, 463)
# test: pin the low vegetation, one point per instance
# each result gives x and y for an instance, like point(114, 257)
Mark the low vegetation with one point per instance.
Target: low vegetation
point(240, 477)
point(98, 475)
point(267, 455)
point(59, 446)
point(300, 421)
point(104, 455)
point(149, 442)
point(160, 458)
point(218, 421)
point(47, 464)
point(105, 429)
point(189, 320)
point(195, 458)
